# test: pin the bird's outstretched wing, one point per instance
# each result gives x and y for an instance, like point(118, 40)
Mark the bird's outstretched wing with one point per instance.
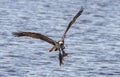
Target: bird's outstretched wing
point(72, 21)
point(35, 35)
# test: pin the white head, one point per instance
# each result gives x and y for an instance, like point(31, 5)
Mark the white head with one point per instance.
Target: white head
point(60, 42)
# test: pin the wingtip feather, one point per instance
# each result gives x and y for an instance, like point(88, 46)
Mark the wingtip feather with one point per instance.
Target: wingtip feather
point(17, 34)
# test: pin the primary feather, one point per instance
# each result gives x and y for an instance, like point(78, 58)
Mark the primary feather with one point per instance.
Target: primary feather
point(72, 21)
point(35, 35)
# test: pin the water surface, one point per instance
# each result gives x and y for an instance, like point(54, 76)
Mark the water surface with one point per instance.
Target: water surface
point(93, 42)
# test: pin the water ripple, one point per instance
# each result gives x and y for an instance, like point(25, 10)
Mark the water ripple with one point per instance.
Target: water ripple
point(92, 43)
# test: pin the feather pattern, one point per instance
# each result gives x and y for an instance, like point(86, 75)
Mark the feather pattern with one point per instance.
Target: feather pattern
point(71, 22)
point(35, 35)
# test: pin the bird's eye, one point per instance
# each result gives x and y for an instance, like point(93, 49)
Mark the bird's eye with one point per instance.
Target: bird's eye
point(61, 44)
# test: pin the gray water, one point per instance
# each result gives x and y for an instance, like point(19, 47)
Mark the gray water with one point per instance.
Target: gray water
point(93, 42)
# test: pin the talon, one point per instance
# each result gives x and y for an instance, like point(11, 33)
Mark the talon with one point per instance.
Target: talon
point(64, 54)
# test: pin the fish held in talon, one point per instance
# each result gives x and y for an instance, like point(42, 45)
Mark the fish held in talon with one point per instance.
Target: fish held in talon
point(57, 45)
point(61, 59)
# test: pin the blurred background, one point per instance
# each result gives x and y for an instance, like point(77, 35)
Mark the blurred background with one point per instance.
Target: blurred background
point(93, 42)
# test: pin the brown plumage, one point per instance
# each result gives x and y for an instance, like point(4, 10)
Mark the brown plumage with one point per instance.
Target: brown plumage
point(56, 45)
point(71, 22)
point(35, 35)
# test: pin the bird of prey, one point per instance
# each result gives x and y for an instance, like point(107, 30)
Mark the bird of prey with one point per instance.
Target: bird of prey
point(57, 45)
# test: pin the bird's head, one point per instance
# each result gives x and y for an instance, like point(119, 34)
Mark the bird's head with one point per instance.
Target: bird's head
point(61, 44)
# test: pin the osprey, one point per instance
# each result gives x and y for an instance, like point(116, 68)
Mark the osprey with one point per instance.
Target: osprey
point(57, 45)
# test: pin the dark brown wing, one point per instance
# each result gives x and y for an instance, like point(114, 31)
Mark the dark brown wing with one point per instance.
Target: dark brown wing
point(35, 35)
point(72, 21)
